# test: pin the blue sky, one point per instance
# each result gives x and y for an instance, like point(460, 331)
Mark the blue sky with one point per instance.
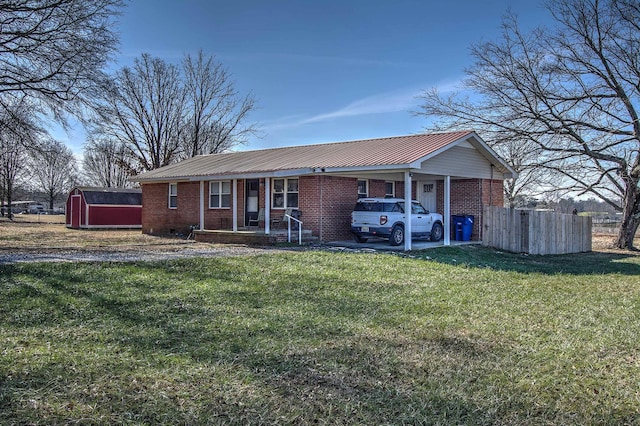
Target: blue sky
point(323, 71)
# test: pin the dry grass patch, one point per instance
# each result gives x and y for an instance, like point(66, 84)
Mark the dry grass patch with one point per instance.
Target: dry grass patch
point(32, 233)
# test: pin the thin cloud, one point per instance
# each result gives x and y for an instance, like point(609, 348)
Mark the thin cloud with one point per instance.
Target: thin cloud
point(406, 99)
point(376, 104)
point(394, 101)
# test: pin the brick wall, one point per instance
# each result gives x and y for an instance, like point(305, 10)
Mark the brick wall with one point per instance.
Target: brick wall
point(339, 197)
point(325, 202)
point(159, 219)
point(469, 196)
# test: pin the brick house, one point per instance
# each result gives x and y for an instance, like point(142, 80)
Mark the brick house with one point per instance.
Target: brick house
point(451, 173)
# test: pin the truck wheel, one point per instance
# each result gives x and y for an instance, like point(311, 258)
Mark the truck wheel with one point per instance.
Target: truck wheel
point(437, 232)
point(397, 235)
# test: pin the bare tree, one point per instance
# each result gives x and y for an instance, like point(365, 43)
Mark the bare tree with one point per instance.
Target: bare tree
point(163, 113)
point(106, 164)
point(570, 92)
point(53, 50)
point(13, 160)
point(18, 130)
point(53, 169)
point(143, 110)
point(216, 115)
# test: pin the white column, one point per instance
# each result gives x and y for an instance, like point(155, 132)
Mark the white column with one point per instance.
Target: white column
point(267, 205)
point(202, 205)
point(235, 205)
point(407, 211)
point(447, 210)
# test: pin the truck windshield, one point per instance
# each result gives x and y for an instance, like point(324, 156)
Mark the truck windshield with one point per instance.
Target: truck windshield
point(416, 208)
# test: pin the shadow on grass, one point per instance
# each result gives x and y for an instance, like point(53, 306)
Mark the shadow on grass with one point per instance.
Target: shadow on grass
point(239, 345)
point(574, 264)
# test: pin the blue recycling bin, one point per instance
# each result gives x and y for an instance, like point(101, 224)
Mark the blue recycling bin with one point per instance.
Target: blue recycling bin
point(456, 226)
point(462, 227)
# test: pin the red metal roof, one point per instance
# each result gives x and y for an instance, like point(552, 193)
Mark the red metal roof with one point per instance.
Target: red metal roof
point(390, 151)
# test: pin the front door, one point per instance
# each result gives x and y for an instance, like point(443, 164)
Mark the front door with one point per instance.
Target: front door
point(253, 194)
point(427, 195)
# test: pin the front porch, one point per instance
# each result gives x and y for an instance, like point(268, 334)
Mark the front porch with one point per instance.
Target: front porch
point(258, 237)
point(251, 236)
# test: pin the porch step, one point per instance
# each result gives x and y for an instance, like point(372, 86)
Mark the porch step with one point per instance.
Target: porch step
point(252, 237)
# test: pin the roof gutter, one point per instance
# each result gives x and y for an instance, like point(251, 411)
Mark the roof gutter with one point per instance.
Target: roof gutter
point(254, 175)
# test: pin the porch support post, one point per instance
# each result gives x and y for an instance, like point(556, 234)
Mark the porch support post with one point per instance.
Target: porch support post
point(407, 210)
point(202, 205)
point(235, 205)
point(267, 205)
point(447, 210)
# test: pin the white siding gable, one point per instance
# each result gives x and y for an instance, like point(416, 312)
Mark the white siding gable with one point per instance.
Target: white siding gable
point(463, 161)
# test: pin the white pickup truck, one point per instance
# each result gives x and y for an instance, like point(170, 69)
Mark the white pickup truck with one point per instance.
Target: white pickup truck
point(385, 217)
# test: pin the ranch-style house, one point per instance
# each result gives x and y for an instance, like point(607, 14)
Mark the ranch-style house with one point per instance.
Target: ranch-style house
point(453, 173)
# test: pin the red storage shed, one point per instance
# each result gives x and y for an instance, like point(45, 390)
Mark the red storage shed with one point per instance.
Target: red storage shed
point(104, 208)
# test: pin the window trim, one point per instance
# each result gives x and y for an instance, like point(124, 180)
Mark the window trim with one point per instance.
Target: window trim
point(173, 195)
point(363, 194)
point(220, 194)
point(393, 189)
point(285, 193)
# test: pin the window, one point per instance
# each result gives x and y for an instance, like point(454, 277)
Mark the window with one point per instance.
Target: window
point(285, 193)
point(389, 189)
point(173, 195)
point(219, 194)
point(363, 188)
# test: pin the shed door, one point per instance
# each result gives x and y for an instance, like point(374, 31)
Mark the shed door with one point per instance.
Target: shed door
point(76, 203)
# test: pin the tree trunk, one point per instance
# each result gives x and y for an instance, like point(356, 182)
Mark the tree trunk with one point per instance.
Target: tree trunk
point(627, 234)
point(9, 200)
point(630, 219)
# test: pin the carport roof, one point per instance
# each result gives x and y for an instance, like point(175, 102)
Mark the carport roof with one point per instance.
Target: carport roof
point(362, 155)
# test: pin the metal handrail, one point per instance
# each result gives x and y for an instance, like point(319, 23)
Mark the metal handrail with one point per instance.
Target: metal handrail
point(289, 228)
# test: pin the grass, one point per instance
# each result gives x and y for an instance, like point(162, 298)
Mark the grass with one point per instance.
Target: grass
point(33, 233)
point(450, 336)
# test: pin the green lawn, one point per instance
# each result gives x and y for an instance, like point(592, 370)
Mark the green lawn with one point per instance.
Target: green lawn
point(450, 336)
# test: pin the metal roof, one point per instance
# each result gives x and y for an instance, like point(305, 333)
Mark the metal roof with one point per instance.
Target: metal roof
point(113, 196)
point(398, 151)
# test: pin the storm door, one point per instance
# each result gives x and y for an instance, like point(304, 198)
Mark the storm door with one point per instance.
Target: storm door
point(252, 193)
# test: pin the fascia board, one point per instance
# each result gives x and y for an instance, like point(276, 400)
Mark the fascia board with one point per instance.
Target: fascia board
point(257, 175)
point(393, 167)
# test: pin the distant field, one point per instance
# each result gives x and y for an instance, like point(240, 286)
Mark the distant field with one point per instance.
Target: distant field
point(35, 218)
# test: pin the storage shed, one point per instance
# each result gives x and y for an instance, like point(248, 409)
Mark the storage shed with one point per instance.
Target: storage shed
point(104, 208)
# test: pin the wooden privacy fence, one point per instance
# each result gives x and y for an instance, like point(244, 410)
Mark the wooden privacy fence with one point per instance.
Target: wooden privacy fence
point(535, 232)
